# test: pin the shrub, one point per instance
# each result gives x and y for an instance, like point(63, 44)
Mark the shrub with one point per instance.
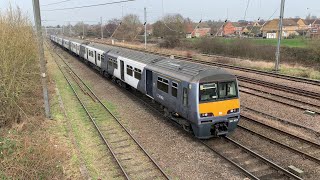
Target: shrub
point(245, 48)
point(18, 68)
point(170, 42)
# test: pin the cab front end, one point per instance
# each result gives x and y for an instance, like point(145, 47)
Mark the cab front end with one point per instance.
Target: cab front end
point(218, 109)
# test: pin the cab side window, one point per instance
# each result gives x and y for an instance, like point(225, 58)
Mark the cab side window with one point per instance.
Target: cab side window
point(174, 89)
point(163, 84)
point(185, 97)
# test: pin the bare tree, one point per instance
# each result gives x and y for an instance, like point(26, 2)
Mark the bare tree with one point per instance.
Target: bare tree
point(130, 27)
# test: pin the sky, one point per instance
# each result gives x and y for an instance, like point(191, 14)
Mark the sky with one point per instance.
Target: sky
point(234, 10)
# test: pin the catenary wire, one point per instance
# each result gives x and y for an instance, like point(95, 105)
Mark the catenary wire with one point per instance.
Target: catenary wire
point(93, 5)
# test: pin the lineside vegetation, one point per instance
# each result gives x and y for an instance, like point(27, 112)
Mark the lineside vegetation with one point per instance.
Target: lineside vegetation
point(28, 147)
point(19, 69)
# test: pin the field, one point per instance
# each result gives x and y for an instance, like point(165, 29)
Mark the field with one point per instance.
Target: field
point(298, 42)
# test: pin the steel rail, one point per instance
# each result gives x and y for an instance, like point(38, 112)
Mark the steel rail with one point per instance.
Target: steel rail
point(277, 167)
point(272, 74)
point(281, 120)
point(92, 120)
point(308, 156)
point(280, 87)
point(278, 101)
point(281, 96)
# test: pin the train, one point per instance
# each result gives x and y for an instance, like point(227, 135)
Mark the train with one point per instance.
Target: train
point(202, 99)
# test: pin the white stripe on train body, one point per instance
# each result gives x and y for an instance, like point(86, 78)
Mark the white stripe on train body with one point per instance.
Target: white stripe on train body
point(131, 80)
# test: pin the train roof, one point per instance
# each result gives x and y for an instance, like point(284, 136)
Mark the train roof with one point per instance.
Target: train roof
point(191, 72)
point(138, 56)
point(178, 69)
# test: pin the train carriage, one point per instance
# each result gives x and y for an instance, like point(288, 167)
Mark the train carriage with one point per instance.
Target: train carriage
point(75, 46)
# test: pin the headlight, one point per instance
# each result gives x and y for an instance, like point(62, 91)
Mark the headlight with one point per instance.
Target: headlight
point(233, 110)
point(206, 114)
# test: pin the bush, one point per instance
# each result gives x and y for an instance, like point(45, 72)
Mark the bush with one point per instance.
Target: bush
point(29, 152)
point(18, 68)
point(245, 48)
point(170, 42)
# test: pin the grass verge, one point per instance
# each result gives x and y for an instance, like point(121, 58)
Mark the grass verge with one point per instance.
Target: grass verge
point(92, 151)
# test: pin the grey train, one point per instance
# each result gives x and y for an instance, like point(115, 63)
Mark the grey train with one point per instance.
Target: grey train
point(202, 99)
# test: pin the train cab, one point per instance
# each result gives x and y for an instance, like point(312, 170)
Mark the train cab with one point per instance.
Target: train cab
point(218, 105)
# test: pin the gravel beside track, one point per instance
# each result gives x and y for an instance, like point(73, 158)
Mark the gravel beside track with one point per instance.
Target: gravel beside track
point(253, 164)
point(280, 155)
point(281, 111)
point(292, 142)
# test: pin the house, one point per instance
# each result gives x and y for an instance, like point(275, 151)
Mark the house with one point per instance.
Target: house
point(313, 28)
point(228, 29)
point(290, 27)
point(311, 23)
point(197, 31)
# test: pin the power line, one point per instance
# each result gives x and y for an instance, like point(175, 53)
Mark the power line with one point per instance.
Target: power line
point(56, 3)
point(93, 5)
point(245, 13)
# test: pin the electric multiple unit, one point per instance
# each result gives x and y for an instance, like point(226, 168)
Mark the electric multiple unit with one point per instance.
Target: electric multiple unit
point(202, 99)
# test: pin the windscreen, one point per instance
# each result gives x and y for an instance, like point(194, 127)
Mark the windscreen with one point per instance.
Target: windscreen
point(218, 91)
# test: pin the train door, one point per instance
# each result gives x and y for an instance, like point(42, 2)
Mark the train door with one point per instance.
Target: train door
point(185, 103)
point(87, 54)
point(122, 69)
point(95, 57)
point(149, 83)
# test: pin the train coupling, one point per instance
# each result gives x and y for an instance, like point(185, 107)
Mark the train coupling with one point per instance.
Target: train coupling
point(219, 129)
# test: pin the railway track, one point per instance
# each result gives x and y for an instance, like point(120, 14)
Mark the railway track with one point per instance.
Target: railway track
point(303, 105)
point(296, 144)
point(131, 159)
point(292, 90)
point(283, 121)
point(251, 163)
point(271, 74)
point(249, 159)
point(281, 96)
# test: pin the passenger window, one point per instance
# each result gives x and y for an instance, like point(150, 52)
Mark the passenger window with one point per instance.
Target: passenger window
point(137, 73)
point(110, 62)
point(163, 84)
point(129, 70)
point(115, 64)
point(98, 57)
point(174, 89)
point(185, 97)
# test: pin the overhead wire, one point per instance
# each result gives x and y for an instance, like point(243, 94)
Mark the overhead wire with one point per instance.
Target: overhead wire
point(56, 3)
point(245, 12)
point(165, 22)
point(86, 6)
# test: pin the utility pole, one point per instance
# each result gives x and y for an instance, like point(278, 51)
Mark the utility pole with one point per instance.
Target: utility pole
point(82, 30)
point(69, 29)
point(145, 28)
point(277, 63)
point(37, 20)
point(101, 28)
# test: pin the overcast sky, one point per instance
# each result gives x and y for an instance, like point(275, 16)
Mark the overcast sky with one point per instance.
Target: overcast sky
point(195, 9)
